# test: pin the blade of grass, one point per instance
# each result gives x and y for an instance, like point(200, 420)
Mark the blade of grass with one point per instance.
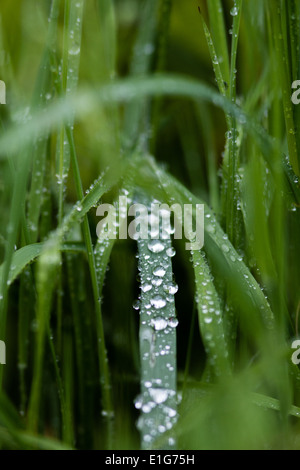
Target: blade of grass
point(107, 411)
point(214, 58)
point(157, 343)
point(249, 297)
point(73, 16)
point(26, 255)
point(16, 213)
point(218, 28)
point(285, 81)
point(135, 114)
point(231, 161)
point(210, 318)
point(39, 159)
point(46, 279)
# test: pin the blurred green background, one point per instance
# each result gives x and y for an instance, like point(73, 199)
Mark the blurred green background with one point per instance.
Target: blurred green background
point(255, 406)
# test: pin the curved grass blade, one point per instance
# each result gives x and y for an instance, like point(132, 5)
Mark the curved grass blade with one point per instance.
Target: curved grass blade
point(258, 399)
point(248, 297)
point(26, 255)
point(84, 102)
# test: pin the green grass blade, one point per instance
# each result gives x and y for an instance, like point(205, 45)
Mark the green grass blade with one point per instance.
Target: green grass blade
point(107, 402)
point(48, 263)
point(135, 117)
point(218, 29)
point(39, 159)
point(282, 65)
point(157, 343)
point(249, 296)
point(214, 58)
point(26, 255)
point(210, 318)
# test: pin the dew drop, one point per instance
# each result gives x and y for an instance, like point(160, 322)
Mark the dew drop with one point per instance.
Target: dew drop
point(159, 323)
point(156, 246)
point(158, 302)
point(158, 395)
point(173, 322)
point(159, 271)
point(171, 252)
point(234, 11)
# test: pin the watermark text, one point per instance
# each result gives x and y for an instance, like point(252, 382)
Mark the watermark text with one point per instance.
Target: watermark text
point(2, 353)
point(2, 92)
point(156, 223)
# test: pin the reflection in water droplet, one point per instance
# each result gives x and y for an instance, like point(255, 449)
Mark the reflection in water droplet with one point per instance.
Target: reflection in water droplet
point(158, 302)
point(159, 271)
point(156, 246)
point(159, 323)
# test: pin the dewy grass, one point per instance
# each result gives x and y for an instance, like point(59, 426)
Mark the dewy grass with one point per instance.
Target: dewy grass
point(91, 102)
point(158, 398)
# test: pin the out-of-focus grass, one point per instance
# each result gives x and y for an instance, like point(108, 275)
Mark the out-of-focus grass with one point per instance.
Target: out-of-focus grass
point(223, 131)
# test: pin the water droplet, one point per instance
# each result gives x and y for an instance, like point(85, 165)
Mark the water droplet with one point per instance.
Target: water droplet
point(225, 248)
point(159, 323)
point(171, 252)
point(156, 246)
point(171, 289)
point(159, 395)
point(159, 271)
point(234, 11)
point(146, 287)
point(138, 402)
point(173, 322)
point(157, 282)
point(74, 50)
point(158, 302)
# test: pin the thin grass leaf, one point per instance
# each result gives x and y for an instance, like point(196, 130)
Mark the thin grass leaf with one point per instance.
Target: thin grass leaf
point(210, 318)
point(249, 296)
point(16, 214)
point(218, 29)
point(214, 58)
point(84, 103)
point(26, 255)
point(136, 115)
point(40, 149)
point(107, 412)
point(72, 263)
point(285, 83)
point(107, 20)
point(258, 399)
point(48, 264)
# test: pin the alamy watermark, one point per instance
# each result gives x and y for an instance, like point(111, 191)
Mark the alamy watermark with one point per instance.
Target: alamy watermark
point(156, 223)
point(296, 95)
point(2, 92)
point(296, 355)
point(2, 352)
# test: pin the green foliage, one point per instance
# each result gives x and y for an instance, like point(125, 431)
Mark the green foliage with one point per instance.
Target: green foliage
point(168, 105)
